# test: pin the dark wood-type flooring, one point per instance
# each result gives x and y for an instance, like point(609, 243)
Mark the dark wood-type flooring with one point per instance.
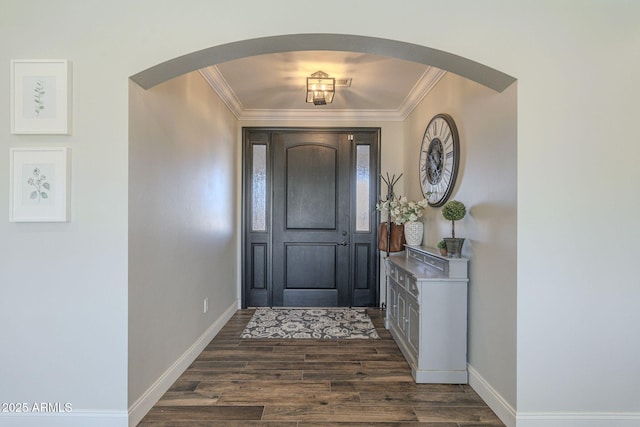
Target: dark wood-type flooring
point(311, 383)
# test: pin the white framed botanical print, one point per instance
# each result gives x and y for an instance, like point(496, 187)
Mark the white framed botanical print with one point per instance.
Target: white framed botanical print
point(39, 184)
point(40, 96)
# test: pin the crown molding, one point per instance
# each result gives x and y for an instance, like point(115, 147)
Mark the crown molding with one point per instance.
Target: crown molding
point(423, 86)
point(322, 115)
point(216, 80)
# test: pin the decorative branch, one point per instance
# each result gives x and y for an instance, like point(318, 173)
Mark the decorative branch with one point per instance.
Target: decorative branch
point(390, 181)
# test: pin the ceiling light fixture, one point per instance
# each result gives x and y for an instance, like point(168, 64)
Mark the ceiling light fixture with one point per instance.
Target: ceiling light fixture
point(320, 88)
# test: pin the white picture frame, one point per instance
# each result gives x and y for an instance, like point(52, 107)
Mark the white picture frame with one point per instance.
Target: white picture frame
point(40, 96)
point(39, 184)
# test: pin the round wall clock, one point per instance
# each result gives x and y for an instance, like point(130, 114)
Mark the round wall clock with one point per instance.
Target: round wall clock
point(439, 158)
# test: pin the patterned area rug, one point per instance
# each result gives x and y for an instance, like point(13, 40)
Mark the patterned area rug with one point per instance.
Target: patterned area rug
point(318, 323)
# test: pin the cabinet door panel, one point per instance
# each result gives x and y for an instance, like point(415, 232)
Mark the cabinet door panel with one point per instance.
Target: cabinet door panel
point(412, 286)
point(392, 305)
point(402, 310)
point(413, 325)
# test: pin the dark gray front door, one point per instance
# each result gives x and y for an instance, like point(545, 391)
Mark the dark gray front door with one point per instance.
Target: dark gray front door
point(317, 246)
point(311, 230)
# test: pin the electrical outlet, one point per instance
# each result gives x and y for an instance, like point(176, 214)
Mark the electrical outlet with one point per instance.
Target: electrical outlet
point(205, 307)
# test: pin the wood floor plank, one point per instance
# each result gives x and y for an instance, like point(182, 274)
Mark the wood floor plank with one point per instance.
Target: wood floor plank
point(187, 399)
point(372, 375)
point(391, 387)
point(324, 350)
point(243, 357)
point(416, 398)
point(306, 366)
point(384, 364)
point(317, 399)
point(275, 343)
point(248, 352)
point(263, 387)
point(243, 375)
point(203, 413)
point(226, 423)
point(339, 413)
point(184, 385)
point(353, 357)
point(379, 424)
point(458, 414)
point(204, 364)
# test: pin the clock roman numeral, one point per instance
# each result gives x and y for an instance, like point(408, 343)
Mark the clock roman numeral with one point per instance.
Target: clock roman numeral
point(446, 174)
point(446, 140)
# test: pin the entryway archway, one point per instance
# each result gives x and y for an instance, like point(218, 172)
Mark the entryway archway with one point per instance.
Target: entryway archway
point(190, 62)
point(464, 67)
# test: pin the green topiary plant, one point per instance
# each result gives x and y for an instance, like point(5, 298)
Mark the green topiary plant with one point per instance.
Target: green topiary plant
point(442, 247)
point(454, 211)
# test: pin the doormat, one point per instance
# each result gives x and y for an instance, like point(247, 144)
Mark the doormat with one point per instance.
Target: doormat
point(310, 323)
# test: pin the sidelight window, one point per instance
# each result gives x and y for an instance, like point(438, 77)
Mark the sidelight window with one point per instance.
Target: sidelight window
point(259, 188)
point(363, 185)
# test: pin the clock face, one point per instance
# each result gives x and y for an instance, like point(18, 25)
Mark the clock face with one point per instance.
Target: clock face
point(439, 159)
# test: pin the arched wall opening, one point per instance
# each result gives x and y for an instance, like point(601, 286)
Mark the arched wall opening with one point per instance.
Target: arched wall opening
point(464, 67)
point(148, 325)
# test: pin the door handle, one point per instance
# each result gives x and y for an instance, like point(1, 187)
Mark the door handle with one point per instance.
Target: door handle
point(343, 243)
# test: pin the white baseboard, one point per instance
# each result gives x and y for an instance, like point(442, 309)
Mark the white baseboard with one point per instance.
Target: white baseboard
point(578, 419)
point(511, 418)
point(141, 406)
point(68, 419)
point(496, 402)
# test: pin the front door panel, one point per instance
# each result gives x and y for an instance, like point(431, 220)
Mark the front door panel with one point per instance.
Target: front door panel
point(311, 212)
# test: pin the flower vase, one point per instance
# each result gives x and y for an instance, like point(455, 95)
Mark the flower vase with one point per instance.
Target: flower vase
point(413, 231)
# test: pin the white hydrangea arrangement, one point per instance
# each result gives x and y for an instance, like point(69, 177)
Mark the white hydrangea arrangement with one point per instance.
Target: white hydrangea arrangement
point(401, 209)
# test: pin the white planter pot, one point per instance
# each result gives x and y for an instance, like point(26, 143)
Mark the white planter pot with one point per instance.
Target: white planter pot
point(413, 231)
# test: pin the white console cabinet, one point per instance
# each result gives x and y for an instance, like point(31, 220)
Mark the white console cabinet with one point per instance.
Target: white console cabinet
point(427, 313)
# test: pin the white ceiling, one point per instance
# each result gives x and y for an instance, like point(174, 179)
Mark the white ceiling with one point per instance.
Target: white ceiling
point(272, 86)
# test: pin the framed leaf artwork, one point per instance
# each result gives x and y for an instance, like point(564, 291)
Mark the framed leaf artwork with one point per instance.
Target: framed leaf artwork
point(40, 96)
point(39, 185)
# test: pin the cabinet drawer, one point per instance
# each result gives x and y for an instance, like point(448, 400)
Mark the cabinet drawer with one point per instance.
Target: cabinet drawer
point(392, 271)
point(401, 279)
point(416, 256)
point(411, 285)
point(438, 264)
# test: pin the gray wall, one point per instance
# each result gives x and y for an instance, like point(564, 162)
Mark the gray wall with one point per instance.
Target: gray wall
point(182, 222)
point(486, 184)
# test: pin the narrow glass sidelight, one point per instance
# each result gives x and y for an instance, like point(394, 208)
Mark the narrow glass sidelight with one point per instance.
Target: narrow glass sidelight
point(363, 185)
point(259, 188)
